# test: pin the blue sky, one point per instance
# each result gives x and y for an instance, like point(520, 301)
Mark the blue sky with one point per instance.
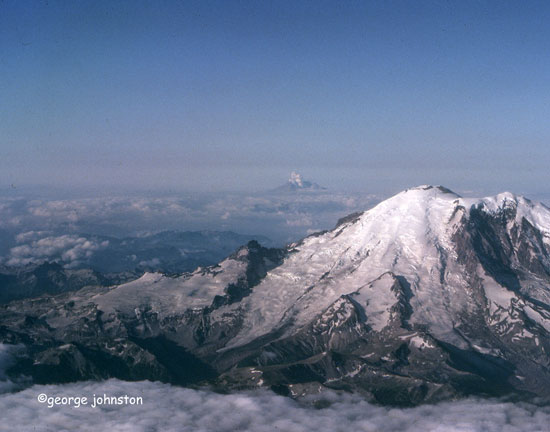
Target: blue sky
point(212, 95)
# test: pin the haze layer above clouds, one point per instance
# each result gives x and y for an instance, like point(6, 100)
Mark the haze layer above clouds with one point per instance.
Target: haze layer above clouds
point(76, 231)
point(280, 216)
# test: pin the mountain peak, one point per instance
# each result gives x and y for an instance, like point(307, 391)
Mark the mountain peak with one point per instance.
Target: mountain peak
point(436, 189)
point(297, 183)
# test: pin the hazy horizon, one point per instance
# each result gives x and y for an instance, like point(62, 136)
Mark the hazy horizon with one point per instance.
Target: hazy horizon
point(335, 185)
point(209, 96)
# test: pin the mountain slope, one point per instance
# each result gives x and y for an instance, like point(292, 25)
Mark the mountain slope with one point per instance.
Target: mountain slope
point(56, 269)
point(426, 296)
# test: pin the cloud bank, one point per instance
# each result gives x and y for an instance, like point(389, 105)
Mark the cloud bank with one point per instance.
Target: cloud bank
point(282, 216)
point(168, 408)
point(67, 248)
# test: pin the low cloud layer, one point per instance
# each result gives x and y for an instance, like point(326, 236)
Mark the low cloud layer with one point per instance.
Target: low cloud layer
point(282, 217)
point(71, 249)
point(168, 408)
point(73, 230)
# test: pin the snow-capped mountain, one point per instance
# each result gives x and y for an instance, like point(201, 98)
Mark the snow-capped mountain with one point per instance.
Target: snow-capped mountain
point(424, 297)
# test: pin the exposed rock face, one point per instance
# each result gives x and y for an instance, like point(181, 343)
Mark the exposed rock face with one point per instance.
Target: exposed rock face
point(424, 297)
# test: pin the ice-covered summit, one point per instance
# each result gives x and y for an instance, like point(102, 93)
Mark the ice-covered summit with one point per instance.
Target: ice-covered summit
point(463, 270)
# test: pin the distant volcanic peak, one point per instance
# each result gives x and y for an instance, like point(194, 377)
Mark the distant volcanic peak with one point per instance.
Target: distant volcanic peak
point(297, 183)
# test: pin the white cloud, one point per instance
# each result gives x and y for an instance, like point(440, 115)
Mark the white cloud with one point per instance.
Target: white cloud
point(150, 263)
point(300, 220)
point(275, 215)
point(168, 408)
point(296, 178)
point(30, 236)
point(313, 231)
point(67, 248)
